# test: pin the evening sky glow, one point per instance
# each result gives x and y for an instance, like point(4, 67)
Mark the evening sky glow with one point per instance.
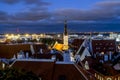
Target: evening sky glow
point(54, 11)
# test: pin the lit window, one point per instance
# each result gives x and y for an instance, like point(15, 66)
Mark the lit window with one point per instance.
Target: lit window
point(109, 79)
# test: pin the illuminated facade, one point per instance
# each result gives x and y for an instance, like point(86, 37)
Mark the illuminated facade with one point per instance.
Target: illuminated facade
point(64, 46)
point(65, 37)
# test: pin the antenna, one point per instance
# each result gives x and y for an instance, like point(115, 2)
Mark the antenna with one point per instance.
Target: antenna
point(17, 30)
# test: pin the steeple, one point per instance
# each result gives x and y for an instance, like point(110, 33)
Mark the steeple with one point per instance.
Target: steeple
point(65, 36)
point(64, 46)
point(65, 28)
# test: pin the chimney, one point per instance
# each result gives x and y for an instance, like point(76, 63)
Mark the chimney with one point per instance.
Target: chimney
point(110, 55)
point(105, 57)
point(41, 51)
point(53, 57)
point(27, 55)
point(87, 65)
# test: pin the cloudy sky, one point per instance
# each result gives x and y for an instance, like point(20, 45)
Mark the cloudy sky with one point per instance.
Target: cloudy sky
point(55, 11)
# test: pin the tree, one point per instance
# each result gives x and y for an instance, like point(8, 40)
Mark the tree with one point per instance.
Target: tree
point(17, 74)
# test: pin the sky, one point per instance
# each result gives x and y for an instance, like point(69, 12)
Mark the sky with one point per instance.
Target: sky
point(33, 12)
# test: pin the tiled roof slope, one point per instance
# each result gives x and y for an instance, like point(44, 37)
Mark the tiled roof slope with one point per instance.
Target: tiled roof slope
point(50, 70)
point(8, 50)
point(103, 46)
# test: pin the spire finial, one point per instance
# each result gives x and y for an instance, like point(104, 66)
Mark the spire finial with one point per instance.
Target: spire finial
point(65, 27)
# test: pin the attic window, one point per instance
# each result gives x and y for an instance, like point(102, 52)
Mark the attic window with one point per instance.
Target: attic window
point(111, 44)
point(110, 47)
point(97, 48)
point(62, 77)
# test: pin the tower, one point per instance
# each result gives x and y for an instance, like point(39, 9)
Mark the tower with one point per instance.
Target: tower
point(65, 37)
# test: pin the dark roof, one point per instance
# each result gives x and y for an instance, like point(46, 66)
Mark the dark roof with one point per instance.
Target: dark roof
point(87, 73)
point(103, 46)
point(50, 70)
point(77, 43)
point(90, 60)
point(68, 70)
point(110, 69)
point(0, 65)
point(37, 48)
point(81, 50)
point(101, 68)
point(8, 50)
point(42, 68)
point(59, 57)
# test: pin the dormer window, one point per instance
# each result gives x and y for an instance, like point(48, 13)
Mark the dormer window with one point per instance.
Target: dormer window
point(97, 48)
point(111, 44)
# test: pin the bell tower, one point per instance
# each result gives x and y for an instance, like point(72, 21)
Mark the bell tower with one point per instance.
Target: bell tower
point(65, 36)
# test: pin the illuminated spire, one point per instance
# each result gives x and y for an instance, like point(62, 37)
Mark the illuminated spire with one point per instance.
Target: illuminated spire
point(65, 37)
point(65, 28)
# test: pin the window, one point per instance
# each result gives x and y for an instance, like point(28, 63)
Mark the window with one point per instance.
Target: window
point(110, 47)
point(111, 43)
point(62, 77)
point(104, 48)
point(109, 79)
point(97, 48)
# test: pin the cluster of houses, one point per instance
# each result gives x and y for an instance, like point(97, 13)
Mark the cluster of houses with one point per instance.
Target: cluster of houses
point(82, 59)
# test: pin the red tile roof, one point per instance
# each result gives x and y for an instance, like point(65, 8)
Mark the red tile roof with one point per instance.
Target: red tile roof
point(100, 68)
point(105, 46)
point(42, 68)
point(69, 70)
point(59, 57)
point(8, 51)
point(50, 70)
point(37, 48)
point(77, 43)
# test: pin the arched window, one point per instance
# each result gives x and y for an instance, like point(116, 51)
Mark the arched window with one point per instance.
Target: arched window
point(109, 79)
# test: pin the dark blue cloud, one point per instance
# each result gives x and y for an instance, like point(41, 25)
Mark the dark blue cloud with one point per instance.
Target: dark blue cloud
point(101, 11)
point(29, 2)
point(107, 10)
point(3, 16)
point(31, 16)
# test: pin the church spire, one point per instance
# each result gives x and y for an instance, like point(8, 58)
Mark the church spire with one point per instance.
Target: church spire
point(65, 36)
point(65, 28)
